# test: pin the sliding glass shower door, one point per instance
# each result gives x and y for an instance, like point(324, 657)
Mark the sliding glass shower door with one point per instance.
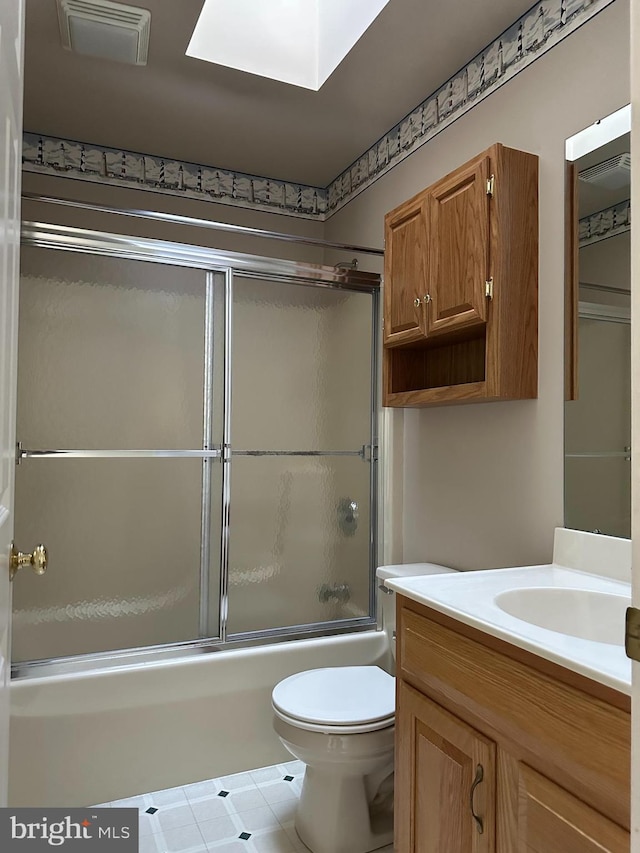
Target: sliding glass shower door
point(300, 524)
point(197, 451)
point(113, 357)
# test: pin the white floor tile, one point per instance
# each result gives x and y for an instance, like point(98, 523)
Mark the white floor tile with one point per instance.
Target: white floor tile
point(209, 808)
point(175, 817)
point(220, 829)
point(243, 801)
point(277, 792)
point(130, 803)
point(267, 774)
point(258, 820)
point(194, 819)
point(186, 839)
point(285, 810)
point(276, 841)
point(238, 780)
point(148, 824)
point(200, 789)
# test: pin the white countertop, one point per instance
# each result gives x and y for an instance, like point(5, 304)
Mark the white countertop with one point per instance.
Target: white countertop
point(469, 597)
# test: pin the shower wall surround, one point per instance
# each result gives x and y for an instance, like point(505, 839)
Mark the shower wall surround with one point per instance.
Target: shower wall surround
point(545, 25)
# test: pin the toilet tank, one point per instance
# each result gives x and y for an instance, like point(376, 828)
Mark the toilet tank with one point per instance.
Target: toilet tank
point(387, 597)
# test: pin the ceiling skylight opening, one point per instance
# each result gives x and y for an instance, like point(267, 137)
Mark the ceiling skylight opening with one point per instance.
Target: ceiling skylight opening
point(300, 42)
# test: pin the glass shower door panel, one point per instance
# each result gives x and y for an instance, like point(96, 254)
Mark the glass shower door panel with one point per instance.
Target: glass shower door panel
point(124, 555)
point(301, 367)
point(299, 541)
point(111, 353)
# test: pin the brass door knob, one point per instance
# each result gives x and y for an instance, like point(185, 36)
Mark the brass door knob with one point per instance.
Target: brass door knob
point(37, 560)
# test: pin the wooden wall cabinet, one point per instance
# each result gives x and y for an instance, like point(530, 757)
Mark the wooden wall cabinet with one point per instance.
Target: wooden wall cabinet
point(499, 751)
point(461, 286)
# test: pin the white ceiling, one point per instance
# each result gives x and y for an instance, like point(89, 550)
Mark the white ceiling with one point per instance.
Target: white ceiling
point(183, 108)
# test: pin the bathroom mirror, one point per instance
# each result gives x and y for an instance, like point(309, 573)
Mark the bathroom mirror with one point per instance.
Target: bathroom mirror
point(597, 441)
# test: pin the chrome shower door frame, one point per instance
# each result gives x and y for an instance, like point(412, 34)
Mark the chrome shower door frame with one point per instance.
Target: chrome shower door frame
point(214, 263)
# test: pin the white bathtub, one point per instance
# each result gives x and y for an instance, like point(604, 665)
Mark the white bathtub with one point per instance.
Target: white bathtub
point(91, 737)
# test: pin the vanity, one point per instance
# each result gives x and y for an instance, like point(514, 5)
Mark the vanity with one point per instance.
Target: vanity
point(513, 734)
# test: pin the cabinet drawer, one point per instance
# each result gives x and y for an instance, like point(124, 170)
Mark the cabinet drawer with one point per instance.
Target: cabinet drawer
point(550, 721)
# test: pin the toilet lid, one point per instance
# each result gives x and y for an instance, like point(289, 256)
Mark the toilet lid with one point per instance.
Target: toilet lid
point(338, 696)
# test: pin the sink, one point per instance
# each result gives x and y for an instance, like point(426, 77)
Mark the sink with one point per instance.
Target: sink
point(582, 613)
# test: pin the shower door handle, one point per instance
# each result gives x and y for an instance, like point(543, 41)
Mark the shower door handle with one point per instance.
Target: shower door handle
point(37, 560)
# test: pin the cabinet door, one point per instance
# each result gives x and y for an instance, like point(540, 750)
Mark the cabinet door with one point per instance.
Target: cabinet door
point(459, 249)
point(445, 780)
point(405, 272)
point(551, 820)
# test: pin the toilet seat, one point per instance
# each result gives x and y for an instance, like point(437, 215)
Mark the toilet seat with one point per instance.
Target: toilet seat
point(345, 700)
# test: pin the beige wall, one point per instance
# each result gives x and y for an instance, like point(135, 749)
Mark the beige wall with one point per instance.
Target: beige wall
point(483, 484)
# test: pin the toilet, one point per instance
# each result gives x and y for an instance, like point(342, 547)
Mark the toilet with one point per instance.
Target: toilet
point(339, 721)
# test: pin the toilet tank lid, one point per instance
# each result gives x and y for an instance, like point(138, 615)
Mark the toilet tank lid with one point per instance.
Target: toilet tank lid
point(407, 570)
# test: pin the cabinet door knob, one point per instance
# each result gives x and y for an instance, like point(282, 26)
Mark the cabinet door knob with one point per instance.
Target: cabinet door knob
point(425, 300)
point(476, 782)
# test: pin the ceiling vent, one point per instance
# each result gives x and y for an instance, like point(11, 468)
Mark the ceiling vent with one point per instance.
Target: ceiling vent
point(105, 29)
point(612, 174)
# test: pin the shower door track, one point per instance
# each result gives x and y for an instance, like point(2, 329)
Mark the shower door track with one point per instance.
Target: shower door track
point(212, 261)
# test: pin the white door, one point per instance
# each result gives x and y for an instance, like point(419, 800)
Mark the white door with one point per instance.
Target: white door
point(635, 412)
point(11, 66)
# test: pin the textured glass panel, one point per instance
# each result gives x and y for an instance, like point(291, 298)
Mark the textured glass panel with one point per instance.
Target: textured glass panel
point(111, 353)
point(298, 552)
point(124, 546)
point(301, 367)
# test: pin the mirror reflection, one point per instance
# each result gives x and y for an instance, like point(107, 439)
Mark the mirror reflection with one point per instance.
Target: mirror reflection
point(598, 420)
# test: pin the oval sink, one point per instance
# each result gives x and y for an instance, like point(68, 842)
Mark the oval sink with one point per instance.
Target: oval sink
point(582, 613)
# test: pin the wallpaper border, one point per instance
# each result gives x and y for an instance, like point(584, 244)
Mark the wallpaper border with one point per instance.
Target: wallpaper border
point(544, 26)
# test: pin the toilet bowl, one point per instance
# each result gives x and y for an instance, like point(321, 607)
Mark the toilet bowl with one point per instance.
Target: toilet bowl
point(340, 721)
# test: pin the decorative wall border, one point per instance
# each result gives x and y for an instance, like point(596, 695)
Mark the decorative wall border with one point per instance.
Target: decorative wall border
point(546, 24)
point(51, 155)
point(605, 223)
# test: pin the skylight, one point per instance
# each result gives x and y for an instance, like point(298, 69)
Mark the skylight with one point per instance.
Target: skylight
point(300, 42)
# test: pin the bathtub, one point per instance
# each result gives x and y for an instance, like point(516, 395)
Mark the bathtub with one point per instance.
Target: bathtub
point(91, 737)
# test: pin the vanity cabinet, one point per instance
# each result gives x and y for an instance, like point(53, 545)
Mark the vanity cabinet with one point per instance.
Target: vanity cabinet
point(460, 291)
point(500, 751)
point(447, 765)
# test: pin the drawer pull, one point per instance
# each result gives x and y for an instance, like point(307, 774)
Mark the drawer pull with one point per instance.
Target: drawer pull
point(476, 782)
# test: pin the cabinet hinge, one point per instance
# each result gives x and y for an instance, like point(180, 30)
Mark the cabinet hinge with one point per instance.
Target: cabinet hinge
point(491, 184)
point(488, 288)
point(632, 634)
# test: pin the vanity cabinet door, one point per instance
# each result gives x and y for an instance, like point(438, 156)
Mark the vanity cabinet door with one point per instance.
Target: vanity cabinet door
point(447, 769)
point(405, 272)
point(551, 820)
point(459, 249)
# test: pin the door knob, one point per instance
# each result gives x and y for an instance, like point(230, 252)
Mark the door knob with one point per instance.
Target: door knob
point(37, 560)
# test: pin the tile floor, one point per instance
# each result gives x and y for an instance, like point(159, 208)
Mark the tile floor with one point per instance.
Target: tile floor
point(249, 812)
